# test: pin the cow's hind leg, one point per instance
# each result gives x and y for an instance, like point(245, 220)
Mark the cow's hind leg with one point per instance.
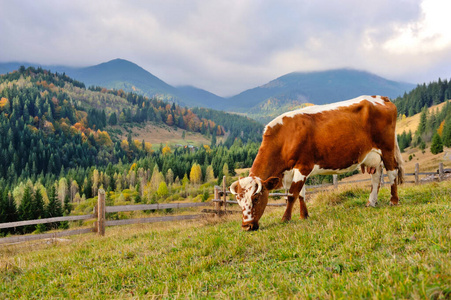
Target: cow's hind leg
point(303, 207)
point(394, 200)
point(375, 184)
point(392, 173)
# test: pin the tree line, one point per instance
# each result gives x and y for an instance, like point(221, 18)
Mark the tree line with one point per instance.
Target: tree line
point(434, 126)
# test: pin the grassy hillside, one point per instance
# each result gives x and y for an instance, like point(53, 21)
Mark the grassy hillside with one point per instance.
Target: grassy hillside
point(157, 134)
point(343, 250)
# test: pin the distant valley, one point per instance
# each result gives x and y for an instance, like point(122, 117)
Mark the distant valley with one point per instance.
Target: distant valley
point(262, 103)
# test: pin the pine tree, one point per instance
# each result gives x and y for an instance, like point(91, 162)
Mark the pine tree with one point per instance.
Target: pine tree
point(38, 205)
point(423, 121)
point(437, 144)
point(67, 206)
point(446, 134)
point(25, 210)
point(53, 208)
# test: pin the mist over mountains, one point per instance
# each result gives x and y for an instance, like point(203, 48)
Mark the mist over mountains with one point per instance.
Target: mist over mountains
point(288, 91)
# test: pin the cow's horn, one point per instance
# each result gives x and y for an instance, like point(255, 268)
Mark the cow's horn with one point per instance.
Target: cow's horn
point(232, 187)
point(259, 183)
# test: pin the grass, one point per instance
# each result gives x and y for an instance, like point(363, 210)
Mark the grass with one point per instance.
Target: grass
point(343, 250)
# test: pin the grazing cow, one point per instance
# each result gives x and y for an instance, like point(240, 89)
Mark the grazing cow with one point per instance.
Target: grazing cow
point(325, 139)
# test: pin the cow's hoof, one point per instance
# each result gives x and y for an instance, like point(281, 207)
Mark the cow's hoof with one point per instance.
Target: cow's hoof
point(369, 204)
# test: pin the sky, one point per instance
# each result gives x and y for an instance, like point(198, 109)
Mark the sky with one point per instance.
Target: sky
point(229, 46)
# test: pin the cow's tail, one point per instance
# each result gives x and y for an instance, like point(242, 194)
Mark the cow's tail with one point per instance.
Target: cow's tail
point(399, 161)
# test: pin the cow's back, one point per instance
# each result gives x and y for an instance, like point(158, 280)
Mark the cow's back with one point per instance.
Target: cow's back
point(333, 136)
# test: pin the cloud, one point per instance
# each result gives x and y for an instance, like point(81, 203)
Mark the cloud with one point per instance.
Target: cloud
point(228, 46)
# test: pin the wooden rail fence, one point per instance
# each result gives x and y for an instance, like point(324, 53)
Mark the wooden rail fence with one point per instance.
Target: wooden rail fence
point(99, 214)
point(220, 203)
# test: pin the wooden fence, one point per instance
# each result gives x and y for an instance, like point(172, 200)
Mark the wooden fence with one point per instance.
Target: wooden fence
point(220, 203)
point(99, 214)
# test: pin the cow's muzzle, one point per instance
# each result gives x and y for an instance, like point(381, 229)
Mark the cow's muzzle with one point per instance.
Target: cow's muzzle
point(250, 227)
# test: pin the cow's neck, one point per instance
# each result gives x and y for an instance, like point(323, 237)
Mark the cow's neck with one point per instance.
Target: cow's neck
point(267, 165)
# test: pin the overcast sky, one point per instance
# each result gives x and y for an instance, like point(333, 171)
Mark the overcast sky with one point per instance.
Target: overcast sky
point(229, 46)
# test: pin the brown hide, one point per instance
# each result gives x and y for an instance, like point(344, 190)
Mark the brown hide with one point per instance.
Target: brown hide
point(334, 139)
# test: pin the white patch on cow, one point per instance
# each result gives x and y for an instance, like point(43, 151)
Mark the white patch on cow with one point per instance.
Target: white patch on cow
point(321, 108)
point(298, 176)
point(303, 192)
point(375, 181)
point(392, 176)
point(290, 176)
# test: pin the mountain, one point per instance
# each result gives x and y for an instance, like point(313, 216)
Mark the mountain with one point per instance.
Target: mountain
point(282, 94)
point(125, 75)
point(317, 88)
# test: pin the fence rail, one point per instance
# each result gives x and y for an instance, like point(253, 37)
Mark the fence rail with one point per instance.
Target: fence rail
point(112, 209)
point(46, 221)
point(220, 200)
point(25, 238)
point(152, 220)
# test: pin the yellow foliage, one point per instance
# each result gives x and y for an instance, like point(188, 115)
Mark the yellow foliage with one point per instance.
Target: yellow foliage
point(124, 145)
point(148, 147)
point(133, 167)
point(207, 148)
point(166, 150)
point(3, 102)
point(103, 138)
point(196, 174)
point(440, 128)
point(32, 128)
point(138, 144)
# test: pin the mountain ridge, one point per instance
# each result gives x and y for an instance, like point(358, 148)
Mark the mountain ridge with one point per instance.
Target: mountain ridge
point(296, 88)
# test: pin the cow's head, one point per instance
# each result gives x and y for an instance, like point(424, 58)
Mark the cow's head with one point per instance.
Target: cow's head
point(252, 195)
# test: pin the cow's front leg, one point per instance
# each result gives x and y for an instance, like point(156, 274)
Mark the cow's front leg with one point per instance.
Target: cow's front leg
point(298, 191)
point(287, 215)
point(375, 184)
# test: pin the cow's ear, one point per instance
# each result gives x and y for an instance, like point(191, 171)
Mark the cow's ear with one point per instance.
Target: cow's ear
point(271, 183)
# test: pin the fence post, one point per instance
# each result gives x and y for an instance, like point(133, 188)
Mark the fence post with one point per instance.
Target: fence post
point(441, 172)
point(417, 175)
point(217, 204)
point(335, 180)
point(101, 212)
point(224, 190)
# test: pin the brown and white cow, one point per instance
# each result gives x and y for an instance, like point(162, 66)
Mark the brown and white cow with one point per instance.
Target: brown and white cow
point(324, 139)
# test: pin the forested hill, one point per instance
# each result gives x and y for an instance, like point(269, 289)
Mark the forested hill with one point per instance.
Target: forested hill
point(50, 123)
point(423, 95)
point(434, 125)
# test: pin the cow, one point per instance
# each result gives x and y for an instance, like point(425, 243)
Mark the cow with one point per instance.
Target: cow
point(323, 139)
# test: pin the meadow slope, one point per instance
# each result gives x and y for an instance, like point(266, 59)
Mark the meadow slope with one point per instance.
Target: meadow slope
point(343, 250)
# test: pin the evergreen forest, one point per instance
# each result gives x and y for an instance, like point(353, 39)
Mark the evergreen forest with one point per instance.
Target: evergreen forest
point(57, 148)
